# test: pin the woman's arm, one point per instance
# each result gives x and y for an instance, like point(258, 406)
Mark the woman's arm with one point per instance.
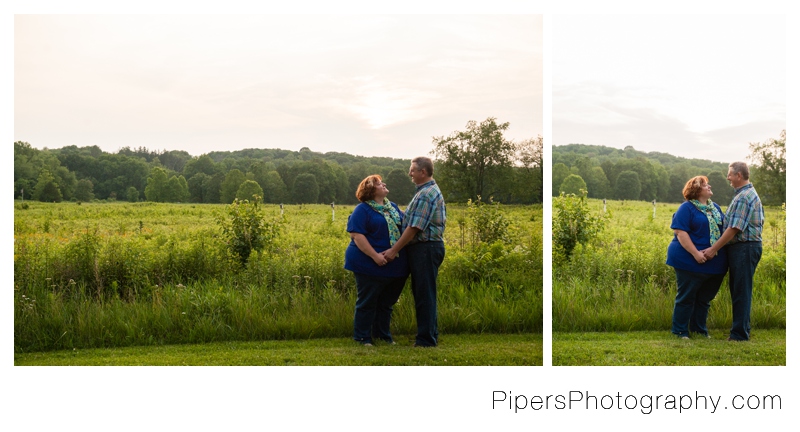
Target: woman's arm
point(686, 242)
point(363, 245)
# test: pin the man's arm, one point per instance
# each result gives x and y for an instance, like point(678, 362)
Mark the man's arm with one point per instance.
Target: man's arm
point(408, 234)
point(727, 236)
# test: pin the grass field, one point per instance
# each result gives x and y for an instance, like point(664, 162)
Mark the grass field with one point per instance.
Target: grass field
point(454, 350)
point(102, 275)
point(650, 348)
point(620, 282)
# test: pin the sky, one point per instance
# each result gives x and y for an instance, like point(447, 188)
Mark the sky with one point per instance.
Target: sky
point(696, 86)
point(371, 85)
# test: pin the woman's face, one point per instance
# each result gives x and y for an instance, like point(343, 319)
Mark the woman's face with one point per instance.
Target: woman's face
point(381, 191)
point(705, 191)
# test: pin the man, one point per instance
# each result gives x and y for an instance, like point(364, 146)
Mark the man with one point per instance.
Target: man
point(423, 227)
point(744, 220)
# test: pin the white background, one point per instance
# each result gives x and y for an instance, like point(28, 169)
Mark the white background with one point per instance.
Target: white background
point(383, 398)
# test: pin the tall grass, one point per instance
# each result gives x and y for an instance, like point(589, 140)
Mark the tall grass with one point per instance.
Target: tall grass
point(119, 274)
point(620, 281)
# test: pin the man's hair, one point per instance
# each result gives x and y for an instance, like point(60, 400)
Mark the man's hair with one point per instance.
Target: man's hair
point(741, 168)
point(366, 189)
point(692, 188)
point(424, 163)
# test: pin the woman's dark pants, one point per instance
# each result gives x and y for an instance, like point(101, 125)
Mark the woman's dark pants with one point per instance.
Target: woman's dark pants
point(695, 292)
point(376, 298)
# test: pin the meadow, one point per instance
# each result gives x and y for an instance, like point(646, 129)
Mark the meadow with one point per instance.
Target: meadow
point(619, 282)
point(113, 274)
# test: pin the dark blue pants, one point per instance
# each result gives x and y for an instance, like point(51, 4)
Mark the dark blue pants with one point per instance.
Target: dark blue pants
point(376, 298)
point(743, 259)
point(695, 292)
point(424, 259)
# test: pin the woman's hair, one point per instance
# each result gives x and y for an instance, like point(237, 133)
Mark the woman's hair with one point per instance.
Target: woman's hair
point(366, 189)
point(692, 189)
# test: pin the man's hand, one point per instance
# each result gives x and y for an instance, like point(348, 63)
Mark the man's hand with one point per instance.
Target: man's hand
point(390, 254)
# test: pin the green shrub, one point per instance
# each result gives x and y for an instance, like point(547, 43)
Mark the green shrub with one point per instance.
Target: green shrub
point(573, 224)
point(246, 230)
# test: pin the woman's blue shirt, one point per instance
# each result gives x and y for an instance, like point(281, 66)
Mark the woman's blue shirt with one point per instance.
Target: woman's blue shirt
point(688, 218)
point(372, 225)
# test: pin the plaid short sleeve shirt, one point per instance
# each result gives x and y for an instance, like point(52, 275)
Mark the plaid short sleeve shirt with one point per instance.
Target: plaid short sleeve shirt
point(426, 211)
point(746, 214)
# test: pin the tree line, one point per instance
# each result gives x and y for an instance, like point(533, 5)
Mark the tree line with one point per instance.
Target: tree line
point(628, 174)
point(478, 162)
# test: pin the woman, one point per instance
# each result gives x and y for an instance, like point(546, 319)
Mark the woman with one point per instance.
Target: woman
point(697, 225)
point(374, 227)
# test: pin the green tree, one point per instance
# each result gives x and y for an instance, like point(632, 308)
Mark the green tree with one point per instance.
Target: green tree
point(723, 192)
point(248, 190)
point(157, 188)
point(573, 184)
point(305, 189)
point(628, 186)
point(597, 183)
point(46, 189)
point(132, 194)
point(196, 185)
point(84, 190)
point(468, 159)
point(212, 187)
point(560, 172)
point(400, 185)
point(202, 164)
point(275, 190)
point(177, 189)
point(230, 185)
point(769, 175)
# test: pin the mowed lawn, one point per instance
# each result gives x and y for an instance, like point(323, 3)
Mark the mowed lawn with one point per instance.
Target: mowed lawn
point(661, 348)
point(453, 350)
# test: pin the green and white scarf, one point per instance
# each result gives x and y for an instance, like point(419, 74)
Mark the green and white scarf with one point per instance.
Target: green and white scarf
point(713, 215)
point(392, 217)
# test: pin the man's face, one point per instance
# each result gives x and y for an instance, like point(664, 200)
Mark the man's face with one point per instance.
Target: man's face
point(417, 175)
point(733, 177)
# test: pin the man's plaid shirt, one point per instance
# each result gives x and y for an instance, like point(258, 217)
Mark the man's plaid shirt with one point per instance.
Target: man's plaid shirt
point(426, 211)
point(746, 214)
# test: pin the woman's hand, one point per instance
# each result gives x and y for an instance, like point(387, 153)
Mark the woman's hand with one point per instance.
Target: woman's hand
point(379, 259)
point(699, 257)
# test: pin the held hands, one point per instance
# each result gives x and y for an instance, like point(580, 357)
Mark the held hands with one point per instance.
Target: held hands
point(709, 253)
point(379, 259)
point(390, 254)
point(699, 257)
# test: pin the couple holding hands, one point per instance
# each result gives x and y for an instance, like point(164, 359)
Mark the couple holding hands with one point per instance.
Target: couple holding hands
point(387, 245)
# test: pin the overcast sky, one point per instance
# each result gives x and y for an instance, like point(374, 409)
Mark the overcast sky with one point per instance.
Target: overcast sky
point(365, 85)
point(701, 86)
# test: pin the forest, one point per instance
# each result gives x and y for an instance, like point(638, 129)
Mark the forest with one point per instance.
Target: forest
point(86, 174)
point(629, 174)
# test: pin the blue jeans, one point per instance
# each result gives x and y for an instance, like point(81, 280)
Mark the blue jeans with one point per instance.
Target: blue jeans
point(695, 292)
point(376, 298)
point(743, 259)
point(424, 259)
